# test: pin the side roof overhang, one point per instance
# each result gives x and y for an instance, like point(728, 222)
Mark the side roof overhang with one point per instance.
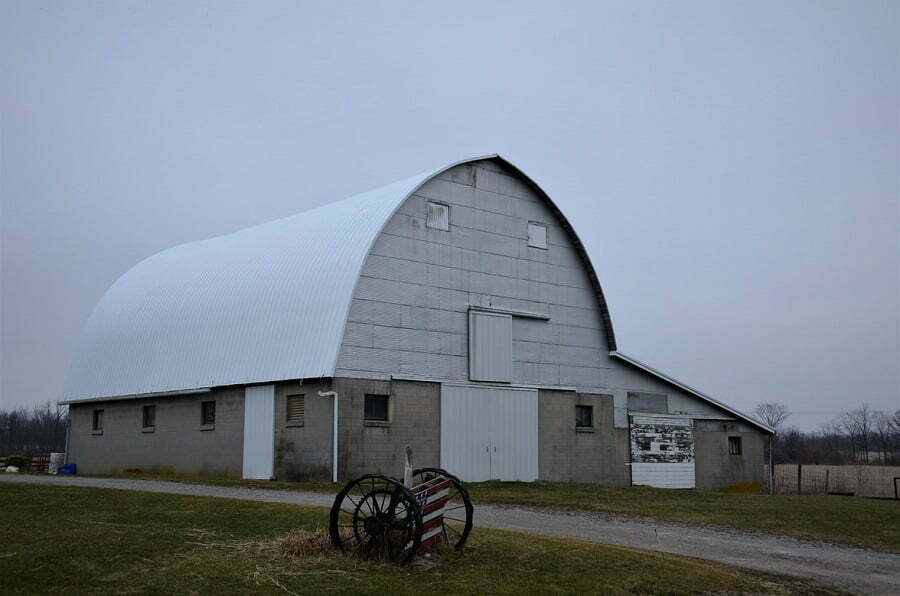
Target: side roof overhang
point(262, 304)
point(688, 389)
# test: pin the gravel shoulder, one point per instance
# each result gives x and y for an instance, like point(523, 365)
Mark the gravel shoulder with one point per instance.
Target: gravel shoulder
point(855, 570)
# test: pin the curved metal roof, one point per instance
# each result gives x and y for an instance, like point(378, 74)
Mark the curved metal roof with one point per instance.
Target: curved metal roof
point(262, 304)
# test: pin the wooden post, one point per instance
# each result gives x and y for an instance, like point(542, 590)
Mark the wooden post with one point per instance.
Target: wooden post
point(799, 478)
point(827, 471)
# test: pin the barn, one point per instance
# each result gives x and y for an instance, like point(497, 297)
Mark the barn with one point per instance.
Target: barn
point(455, 312)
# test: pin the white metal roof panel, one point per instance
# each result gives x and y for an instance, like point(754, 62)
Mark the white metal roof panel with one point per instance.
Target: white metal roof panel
point(265, 303)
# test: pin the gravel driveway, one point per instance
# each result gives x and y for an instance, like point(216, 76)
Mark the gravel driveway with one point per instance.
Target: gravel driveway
point(855, 570)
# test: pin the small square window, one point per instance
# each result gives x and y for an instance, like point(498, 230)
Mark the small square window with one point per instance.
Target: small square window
point(734, 445)
point(208, 413)
point(537, 235)
point(97, 420)
point(438, 216)
point(296, 406)
point(584, 416)
point(376, 408)
point(149, 416)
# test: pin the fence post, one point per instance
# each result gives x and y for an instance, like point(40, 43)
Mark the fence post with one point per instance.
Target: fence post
point(799, 478)
point(771, 465)
point(827, 471)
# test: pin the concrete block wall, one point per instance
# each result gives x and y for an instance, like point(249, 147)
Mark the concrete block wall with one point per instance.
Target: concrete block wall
point(715, 468)
point(303, 450)
point(378, 448)
point(570, 454)
point(178, 443)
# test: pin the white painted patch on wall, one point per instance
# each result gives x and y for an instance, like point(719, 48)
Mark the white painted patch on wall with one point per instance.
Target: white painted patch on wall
point(668, 475)
point(662, 451)
point(259, 432)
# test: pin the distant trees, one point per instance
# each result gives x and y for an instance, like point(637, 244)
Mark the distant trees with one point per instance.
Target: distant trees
point(858, 436)
point(41, 429)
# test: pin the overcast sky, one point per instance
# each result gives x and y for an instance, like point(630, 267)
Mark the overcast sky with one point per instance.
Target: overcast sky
point(731, 167)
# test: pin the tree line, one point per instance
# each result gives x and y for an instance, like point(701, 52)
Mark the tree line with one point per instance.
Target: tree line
point(860, 436)
point(41, 429)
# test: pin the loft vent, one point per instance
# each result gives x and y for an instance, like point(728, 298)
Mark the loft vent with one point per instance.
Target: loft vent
point(438, 216)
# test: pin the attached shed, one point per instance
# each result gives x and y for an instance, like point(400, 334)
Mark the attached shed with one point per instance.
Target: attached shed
point(456, 312)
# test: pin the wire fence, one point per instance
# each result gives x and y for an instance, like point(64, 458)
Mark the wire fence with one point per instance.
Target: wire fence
point(860, 481)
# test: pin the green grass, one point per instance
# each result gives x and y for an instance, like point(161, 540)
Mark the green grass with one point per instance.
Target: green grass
point(860, 522)
point(87, 540)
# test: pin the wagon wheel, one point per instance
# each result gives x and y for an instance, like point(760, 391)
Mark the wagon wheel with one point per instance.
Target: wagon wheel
point(376, 517)
point(458, 512)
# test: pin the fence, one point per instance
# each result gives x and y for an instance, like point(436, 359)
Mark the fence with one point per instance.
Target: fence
point(860, 481)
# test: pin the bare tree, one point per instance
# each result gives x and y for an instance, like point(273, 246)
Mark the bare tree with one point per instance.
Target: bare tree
point(772, 414)
point(858, 426)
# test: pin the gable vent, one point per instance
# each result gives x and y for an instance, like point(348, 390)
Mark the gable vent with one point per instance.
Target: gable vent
point(438, 216)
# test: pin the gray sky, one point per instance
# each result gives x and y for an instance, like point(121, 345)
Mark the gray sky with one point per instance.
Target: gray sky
point(731, 167)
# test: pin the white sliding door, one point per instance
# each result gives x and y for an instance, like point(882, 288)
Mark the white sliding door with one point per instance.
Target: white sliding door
point(489, 432)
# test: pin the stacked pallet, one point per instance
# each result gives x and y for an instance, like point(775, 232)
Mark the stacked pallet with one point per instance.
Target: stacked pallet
point(40, 463)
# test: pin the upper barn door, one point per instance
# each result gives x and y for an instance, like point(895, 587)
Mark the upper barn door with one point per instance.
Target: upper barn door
point(662, 451)
point(489, 433)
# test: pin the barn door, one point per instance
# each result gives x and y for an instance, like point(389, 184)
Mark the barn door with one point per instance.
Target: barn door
point(662, 451)
point(489, 433)
point(259, 432)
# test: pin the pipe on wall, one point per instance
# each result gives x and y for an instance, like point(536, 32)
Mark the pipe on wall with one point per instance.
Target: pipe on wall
point(334, 433)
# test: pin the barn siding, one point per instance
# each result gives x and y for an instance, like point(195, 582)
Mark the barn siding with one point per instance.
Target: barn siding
point(408, 313)
point(177, 443)
point(303, 451)
point(567, 454)
point(715, 468)
point(378, 448)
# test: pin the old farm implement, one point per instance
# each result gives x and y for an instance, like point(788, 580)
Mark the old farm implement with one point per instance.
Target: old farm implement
point(379, 517)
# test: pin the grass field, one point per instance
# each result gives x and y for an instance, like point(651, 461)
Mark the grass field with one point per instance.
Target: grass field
point(860, 522)
point(87, 540)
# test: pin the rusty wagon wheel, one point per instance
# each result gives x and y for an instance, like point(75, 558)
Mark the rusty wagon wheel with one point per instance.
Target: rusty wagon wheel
point(376, 517)
point(458, 511)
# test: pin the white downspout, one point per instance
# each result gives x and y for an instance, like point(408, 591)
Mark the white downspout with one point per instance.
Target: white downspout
point(334, 433)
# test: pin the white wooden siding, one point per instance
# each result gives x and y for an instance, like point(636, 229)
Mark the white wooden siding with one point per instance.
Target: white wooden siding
point(490, 346)
point(489, 432)
point(662, 451)
point(669, 475)
point(259, 432)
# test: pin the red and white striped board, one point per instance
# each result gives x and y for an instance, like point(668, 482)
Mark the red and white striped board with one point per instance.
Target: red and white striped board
point(432, 498)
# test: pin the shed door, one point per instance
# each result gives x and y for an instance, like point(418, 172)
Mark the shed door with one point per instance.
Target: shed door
point(662, 451)
point(259, 432)
point(489, 433)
